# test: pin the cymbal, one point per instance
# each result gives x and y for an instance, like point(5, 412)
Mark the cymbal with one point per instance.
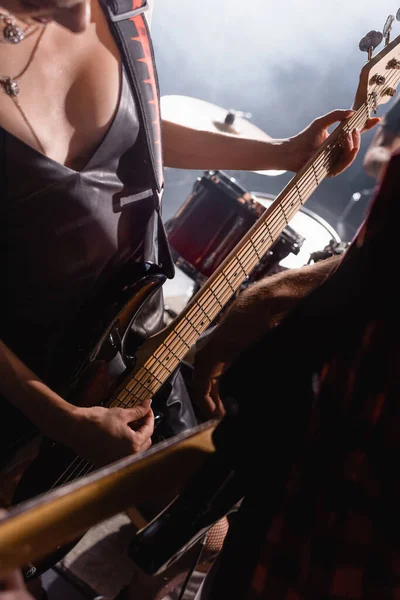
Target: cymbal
point(200, 115)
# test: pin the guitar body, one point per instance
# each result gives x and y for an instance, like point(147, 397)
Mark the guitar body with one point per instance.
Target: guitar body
point(99, 357)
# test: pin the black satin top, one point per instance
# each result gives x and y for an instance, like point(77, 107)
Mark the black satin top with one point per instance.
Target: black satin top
point(68, 231)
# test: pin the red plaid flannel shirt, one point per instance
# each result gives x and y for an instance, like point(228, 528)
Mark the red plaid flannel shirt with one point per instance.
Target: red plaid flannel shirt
point(337, 534)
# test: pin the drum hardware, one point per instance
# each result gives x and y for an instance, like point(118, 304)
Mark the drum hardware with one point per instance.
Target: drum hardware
point(216, 216)
point(315, 231)
point(177, 293)
point(187, 268)
point(289, 242)
point(232, 114)
point(213, 220)
point(193, 113)
point(362, 194)
point(200, 115)
point(332, 249)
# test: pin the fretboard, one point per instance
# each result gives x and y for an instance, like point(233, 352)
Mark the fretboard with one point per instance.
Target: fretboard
point(216, 292)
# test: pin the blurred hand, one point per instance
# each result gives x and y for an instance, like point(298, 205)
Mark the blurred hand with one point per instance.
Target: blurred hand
point(305, 144)
point(205, 391)
point(104, 435)
point(255, 311)
point(12, 587)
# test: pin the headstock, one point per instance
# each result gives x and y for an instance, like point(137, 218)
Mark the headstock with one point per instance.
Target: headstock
point(380, 76)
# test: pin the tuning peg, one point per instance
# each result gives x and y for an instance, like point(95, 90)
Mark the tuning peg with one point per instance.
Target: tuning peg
point(369, 42)
point(398, 15)
point(388, 28)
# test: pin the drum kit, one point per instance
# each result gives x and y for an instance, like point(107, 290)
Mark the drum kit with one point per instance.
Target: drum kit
point(219, 211)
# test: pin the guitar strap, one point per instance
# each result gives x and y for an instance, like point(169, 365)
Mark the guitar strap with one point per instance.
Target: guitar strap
point(129, 27)
point(130, 30)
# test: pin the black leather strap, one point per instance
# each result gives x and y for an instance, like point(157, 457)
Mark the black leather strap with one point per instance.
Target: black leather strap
point(129, 27)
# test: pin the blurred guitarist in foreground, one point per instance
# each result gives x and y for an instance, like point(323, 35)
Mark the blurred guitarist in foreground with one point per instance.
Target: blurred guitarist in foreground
point(385, 141)
point(319, 462)
point(353, 439)
point(87, 209)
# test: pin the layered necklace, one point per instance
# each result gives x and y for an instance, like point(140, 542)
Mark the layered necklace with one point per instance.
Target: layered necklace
point(11, 87)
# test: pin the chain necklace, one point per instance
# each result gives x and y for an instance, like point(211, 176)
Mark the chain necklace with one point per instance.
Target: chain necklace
point(11, 87)
point(13, 33)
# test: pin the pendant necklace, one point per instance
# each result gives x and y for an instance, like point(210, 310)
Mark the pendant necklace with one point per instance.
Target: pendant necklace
point(13, 33)
point(11, 87)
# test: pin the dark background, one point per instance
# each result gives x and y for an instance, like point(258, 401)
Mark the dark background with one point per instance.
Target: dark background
point(284, 62)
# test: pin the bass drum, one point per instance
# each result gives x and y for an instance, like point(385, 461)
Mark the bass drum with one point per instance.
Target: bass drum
point(317, 234)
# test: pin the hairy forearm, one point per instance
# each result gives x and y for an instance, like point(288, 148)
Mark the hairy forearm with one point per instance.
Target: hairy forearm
point(263, 305)
point(186, 148)
point(41, 405)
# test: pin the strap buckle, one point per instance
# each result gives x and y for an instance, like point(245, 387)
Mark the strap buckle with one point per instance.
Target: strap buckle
point(129, 14)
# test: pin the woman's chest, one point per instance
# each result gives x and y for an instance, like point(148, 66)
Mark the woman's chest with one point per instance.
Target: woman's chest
point(69, 89)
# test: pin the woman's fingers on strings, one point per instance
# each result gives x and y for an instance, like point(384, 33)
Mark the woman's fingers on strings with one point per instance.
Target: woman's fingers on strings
point(350, 148)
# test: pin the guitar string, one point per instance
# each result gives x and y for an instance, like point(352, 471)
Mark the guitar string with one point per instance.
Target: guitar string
point(255, 240)
point(310, 172)
point(244, 261)
point(87, 467)
point(190, 324)
point(225, 282)
point(70, 474)
point(82, 464)
point(213, 289)
point(224, 273)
